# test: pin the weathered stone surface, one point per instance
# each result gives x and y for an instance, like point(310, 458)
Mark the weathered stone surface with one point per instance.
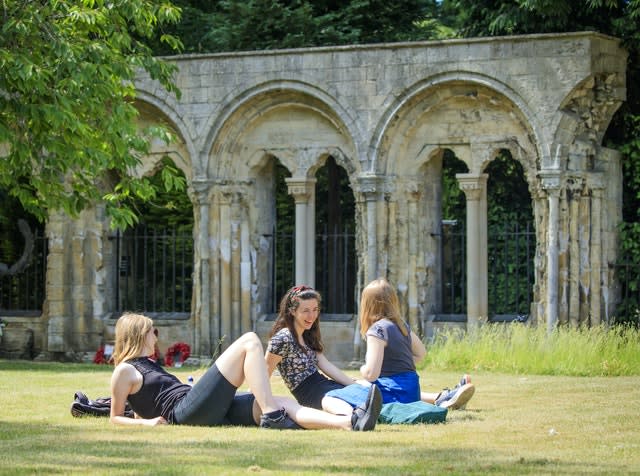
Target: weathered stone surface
point(385, 113)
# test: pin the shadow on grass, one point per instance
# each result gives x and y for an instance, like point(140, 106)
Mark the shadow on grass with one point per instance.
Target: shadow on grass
point(92, 446)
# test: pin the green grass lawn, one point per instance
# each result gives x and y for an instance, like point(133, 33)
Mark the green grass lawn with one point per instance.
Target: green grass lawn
point(515, 424)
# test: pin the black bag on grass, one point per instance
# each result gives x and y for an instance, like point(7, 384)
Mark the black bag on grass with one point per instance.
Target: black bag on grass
point(100, 407)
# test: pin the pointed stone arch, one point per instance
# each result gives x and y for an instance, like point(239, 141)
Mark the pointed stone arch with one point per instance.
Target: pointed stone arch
point(153, 113)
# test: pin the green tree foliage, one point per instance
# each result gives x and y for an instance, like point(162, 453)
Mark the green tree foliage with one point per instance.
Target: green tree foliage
point(511, 236)
point(453, 199)
point(511, 17)
point(169, 208)
point(67, 121)
point(240, 25)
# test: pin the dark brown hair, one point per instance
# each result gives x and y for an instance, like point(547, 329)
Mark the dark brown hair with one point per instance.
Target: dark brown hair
point(290, 303)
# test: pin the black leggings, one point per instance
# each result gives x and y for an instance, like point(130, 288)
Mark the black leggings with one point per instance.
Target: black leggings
point(213, 401)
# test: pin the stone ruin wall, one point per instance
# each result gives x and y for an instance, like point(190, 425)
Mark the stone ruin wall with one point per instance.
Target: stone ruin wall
point(386, 113)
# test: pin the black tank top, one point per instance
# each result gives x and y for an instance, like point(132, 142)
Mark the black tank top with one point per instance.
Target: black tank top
point(160, 391)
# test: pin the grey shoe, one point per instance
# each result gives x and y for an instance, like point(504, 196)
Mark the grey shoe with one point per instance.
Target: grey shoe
point(278, 420)
point(364, 418)
point(456, 398)
point(466, 378)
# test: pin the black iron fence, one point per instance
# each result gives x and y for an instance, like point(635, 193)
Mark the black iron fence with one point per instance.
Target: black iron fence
point(154, 272)
point(627, 273)
point(336, 268)
point(23, 293)
point(510, 270)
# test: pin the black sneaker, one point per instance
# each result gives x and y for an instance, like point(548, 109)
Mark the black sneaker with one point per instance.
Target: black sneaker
point(365, 418)
point(278, 420)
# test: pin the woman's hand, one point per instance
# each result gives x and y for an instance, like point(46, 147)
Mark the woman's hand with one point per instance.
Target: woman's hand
point(331, 371)
point(156, 421)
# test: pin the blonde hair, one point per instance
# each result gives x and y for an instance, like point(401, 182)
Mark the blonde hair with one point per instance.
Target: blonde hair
point(380, 301)
point(131, 332)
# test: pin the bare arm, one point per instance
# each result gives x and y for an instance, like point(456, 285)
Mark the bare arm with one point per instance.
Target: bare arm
point(331, 371)
point(373, 360)
point(417, 348)
point(126, 380)
point(272, 361)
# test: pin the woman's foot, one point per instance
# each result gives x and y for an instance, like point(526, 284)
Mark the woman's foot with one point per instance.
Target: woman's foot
point(278, 420)
point(456, 398)
point(364, 418)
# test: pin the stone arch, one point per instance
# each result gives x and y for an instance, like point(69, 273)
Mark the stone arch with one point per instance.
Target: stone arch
point(425, 110)
point(155, 111)
point(245, 127)
point(296, 123)
point(475, 117)
point(585, 115)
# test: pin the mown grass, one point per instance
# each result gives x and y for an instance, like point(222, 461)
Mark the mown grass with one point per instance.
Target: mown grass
point(518, 422)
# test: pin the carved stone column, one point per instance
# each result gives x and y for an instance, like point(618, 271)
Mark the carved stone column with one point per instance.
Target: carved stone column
point(58, 333)
point(475, 190)
point(551, 184)
point(369, 187)
point(597, 183)
point(415, 247)
point(225, 199)
point(202, 312)
point(303, 192)
point(232, 314)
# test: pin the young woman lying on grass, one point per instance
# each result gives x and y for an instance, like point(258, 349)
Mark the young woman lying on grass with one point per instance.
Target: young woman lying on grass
point(158, 397)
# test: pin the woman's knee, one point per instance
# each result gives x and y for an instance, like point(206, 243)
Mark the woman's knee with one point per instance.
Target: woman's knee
point(251, 340)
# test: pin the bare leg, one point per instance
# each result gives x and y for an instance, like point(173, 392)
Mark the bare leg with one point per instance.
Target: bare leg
point(244, 360)
point(428, 397)
point(336, 406)
point(313, 419)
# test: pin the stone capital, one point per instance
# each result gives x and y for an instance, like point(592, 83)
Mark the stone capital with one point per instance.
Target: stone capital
point(596, 181)
point(369, 185)
point(232, 192)
point(301, 188)
point(550, 179)
point(473, 186)
point(201, 187)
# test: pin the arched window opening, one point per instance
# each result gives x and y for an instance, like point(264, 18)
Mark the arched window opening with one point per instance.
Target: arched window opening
point(283, 259)
point(453, 288)
point(511, 240)
point(336, 261)
point(155, 258)
point(335, 257)
point(23, 259)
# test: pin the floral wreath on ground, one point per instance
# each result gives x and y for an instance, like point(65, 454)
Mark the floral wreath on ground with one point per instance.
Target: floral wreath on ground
point(100, 358)
point(176, 354)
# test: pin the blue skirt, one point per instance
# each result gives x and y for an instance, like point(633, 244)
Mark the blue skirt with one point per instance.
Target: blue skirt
point(403, 388)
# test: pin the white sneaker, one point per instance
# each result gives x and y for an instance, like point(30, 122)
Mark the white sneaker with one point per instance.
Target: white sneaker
point(456, 398)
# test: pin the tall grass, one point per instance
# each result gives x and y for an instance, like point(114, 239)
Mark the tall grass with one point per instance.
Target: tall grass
point(521, 349)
